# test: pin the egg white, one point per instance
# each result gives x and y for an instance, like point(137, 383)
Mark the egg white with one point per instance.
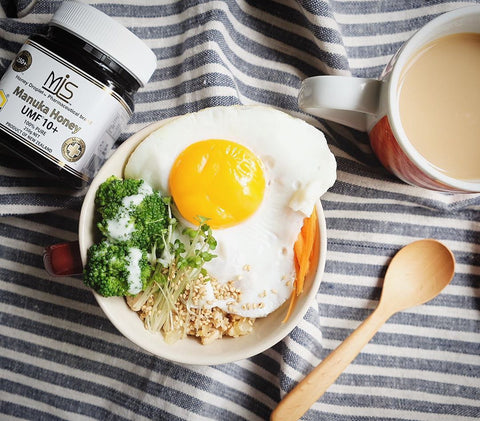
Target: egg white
point(257, 254)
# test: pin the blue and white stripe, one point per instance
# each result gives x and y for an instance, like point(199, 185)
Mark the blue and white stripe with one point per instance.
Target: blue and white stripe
point(62, 359)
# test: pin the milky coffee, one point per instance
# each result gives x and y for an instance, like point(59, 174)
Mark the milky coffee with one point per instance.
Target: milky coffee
point(439, 101)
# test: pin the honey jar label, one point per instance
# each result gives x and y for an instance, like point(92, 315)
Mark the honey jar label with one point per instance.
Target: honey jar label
point(60, 111)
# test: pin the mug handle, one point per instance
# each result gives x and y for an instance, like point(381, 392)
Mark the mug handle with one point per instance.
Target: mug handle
point(342, 99)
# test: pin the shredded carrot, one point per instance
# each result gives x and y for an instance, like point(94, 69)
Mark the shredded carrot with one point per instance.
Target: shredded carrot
point(298, 250)
point(303, 249)
point(308, 234)
point(293, 300)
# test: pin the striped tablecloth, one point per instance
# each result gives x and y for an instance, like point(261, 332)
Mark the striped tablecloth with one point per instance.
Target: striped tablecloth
point(60, 356)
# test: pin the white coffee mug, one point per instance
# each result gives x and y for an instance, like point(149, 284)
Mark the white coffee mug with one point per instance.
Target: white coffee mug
point(373, 105)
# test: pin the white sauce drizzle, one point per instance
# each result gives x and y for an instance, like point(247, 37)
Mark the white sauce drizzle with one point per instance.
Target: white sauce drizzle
point(134, 275)
point(121, 227)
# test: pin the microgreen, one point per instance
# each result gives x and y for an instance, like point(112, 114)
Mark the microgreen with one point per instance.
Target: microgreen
point(179, 261)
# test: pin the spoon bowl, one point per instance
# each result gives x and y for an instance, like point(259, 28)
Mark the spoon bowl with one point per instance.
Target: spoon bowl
point(415, 275)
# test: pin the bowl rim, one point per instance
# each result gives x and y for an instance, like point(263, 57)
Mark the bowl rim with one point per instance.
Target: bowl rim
point(170, 352)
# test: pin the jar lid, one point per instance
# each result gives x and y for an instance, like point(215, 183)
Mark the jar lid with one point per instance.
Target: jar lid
point(108, 36)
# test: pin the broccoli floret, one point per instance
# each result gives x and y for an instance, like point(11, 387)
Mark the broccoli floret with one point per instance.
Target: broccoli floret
point(110, 194)
point(151, 220)
point(131, 211)
point(117, 269)
point(133, 218)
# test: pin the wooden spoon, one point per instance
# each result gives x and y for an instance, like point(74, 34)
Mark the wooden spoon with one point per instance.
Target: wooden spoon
point(416, 274)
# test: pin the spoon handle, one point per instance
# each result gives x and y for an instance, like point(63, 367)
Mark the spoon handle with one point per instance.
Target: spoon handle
point(314, 385)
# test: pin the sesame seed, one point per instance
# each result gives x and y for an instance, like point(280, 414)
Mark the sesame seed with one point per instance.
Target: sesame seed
point(207, 323)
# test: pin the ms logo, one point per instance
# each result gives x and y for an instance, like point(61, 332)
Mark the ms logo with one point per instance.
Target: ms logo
point(3, 99)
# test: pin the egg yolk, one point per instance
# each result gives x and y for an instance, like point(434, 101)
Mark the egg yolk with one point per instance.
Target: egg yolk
point(219, 180)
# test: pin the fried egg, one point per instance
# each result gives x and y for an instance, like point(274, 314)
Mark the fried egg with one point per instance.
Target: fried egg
point(255, 173)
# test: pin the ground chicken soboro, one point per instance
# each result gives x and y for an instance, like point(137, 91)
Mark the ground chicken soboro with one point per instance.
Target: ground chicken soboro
point(193, 314)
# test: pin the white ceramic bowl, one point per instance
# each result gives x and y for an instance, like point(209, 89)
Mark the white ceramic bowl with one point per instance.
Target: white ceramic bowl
point(267, 331)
